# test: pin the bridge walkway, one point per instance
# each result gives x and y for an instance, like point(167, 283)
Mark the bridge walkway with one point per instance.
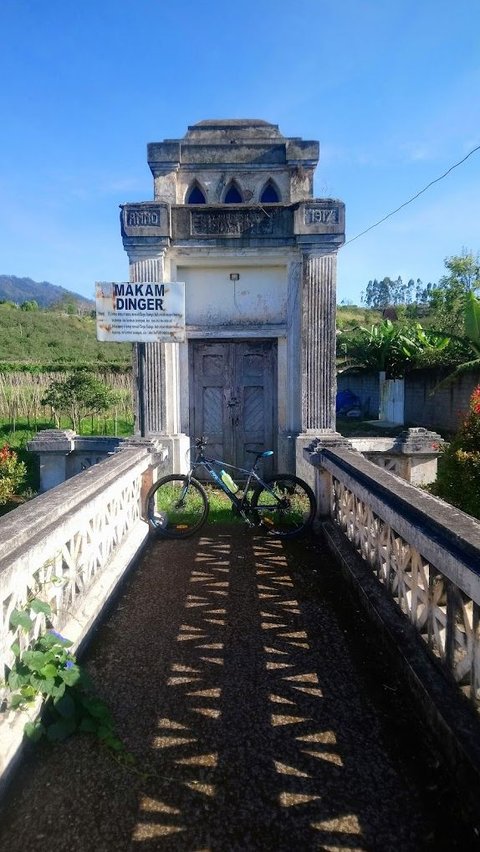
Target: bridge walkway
point(260, 711)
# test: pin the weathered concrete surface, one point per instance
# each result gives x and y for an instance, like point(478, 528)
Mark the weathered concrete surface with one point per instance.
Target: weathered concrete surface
point(261, 718)
point(450, 717)
point(283, 256)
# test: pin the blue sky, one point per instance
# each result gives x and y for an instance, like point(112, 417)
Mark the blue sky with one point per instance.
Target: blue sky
point(390, 88)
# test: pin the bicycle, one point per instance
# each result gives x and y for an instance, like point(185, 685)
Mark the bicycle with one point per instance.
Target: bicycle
point(177, 505)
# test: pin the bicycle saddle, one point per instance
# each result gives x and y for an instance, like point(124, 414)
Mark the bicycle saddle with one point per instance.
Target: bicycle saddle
point(261, 455)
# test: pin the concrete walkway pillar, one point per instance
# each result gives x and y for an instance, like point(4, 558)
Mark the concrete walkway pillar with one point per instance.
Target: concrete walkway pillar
point(53, 447)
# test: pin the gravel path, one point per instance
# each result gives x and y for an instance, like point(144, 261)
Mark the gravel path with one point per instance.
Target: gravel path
point(239, 677)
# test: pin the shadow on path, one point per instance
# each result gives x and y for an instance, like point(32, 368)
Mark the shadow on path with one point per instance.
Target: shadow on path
point(232, 683)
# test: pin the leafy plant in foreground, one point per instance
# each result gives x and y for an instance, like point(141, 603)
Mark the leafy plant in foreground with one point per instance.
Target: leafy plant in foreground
point(48, 671)
point(458, 480)
point(387, 346)
point(12, 473)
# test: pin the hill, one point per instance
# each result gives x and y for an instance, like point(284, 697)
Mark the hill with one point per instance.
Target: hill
point(54, 340)
point(19, 290)
point(352, 316)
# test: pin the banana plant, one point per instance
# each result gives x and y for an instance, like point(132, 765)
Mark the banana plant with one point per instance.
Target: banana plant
point(472, 322)
point(389, 348)
point(472, 334)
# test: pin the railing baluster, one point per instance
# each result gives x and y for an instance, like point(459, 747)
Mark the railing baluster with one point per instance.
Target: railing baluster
point(475, 670)
point(450, 626)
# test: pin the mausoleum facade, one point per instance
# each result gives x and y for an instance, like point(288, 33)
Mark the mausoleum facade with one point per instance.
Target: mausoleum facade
point(234, 217)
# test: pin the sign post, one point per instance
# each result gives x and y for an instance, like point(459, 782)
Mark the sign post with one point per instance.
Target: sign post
point(141, 354)
point(144, 312)
point(148, 312)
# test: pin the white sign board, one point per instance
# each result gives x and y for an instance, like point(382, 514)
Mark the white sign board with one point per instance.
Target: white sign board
point(146, 312)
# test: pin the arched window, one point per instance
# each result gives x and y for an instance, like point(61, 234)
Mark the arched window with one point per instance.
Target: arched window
point(196, 196)
point(269, 194)
point(232, 195)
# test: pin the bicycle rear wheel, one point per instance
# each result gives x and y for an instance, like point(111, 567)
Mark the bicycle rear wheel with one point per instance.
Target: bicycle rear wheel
point(286, 507)
point(177, 506)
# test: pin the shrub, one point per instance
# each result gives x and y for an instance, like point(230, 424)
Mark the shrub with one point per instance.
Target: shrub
point(78, 396)
point(12, 473)
point(458, 480)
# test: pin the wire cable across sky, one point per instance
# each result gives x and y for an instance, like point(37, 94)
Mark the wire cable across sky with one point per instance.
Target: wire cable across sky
point(455, 165)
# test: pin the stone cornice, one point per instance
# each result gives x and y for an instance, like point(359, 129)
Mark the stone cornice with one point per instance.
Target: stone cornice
point(313, 223)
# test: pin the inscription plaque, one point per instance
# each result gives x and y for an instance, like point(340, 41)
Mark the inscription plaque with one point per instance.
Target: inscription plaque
point(232, 223)
point(137, 218)
point(321, 215)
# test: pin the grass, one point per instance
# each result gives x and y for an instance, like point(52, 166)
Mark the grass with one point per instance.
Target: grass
point(183, 512)
point(351, 316)
point(190, 511)
point(221, 508)
point(349, 427)
point(36, 338)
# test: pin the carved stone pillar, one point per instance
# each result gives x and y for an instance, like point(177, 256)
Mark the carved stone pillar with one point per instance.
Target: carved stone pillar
point(318, 350)
point(318, 342)
point(149, 362)
point(156, 382)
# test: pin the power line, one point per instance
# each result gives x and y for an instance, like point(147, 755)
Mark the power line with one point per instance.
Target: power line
point(414, 196)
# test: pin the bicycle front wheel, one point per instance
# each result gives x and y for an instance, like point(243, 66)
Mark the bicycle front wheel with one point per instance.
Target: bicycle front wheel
point(177, 506)
point(285, 506)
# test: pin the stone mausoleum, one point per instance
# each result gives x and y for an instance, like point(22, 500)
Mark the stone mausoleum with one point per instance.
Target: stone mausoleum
point(234, 217)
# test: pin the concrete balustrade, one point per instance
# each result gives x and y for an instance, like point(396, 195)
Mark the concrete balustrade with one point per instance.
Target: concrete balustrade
point(425, 553)
point(413, 563)
point(62, 454)
point(71, 547)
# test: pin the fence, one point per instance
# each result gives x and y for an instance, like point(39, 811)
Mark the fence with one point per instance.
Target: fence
point(70, 547)
point(440, 408)
point(425, 553)
point(21, 394)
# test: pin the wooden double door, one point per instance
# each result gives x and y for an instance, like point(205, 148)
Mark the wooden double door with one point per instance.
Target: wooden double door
point(232, 397)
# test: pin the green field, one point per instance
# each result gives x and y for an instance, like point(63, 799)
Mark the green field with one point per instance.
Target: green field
point(38, 340)
point(40, 346)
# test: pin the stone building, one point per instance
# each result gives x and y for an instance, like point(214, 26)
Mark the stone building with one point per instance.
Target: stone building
point(234, 217)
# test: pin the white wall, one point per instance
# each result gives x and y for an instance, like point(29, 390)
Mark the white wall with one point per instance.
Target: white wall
point(211, 298)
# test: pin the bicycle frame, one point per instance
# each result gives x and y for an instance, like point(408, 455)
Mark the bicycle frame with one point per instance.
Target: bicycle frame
point(201, 460)
point(177, 504)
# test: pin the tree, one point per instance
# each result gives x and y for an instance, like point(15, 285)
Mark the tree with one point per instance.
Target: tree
point(458, 479)
point(30, 305)
point(377, 294)
point(470, 341)
point(67, 304)
point(382, 294)
point(448, 297)
point(78, 396)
